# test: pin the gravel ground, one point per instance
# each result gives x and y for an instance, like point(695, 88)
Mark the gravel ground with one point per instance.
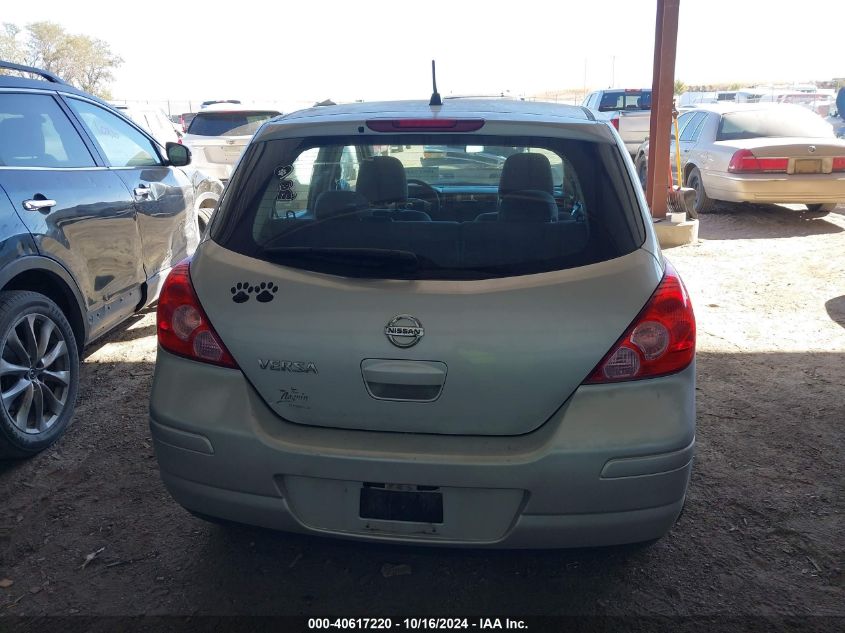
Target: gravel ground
point(762, 534)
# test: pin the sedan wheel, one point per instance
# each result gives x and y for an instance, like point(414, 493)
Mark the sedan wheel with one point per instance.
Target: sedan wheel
point(703, 204)
point(642, 171)
point(39, 367)
point(821, 208)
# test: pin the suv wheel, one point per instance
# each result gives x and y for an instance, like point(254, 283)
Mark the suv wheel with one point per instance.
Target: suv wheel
point(39, 373)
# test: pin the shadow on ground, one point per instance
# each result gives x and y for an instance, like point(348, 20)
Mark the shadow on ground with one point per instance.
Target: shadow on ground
point(836, 310)
point(746, 221)
point(126, 331)
point(760, 532)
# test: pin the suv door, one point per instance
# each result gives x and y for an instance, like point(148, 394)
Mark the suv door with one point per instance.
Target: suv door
point(78, 212)
point(163, 195)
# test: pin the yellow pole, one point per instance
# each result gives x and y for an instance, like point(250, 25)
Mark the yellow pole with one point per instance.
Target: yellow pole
point(677, 145)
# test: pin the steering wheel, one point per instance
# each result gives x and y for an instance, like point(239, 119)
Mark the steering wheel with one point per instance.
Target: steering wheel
point(429, 193)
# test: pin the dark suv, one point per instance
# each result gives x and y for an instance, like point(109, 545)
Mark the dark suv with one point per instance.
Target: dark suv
point(93, 214)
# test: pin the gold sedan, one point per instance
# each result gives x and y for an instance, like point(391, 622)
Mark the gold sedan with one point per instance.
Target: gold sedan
point(759, 153)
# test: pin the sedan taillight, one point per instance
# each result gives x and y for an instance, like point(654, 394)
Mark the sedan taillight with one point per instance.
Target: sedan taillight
point(660, 341)
point(744, 161)
point(839, 163)
point(183, 327)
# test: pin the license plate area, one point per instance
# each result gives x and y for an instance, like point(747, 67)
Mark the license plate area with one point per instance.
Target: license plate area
point(808, 166)
point(392, 502)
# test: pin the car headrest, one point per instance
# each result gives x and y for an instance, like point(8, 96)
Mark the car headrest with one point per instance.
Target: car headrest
point(21, 138)
point(529, 205)
point(334, 204)
point(526, 171)
point(381, 179)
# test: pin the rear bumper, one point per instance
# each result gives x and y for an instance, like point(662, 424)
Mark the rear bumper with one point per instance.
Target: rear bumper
point(776, 188)
point(611, 467)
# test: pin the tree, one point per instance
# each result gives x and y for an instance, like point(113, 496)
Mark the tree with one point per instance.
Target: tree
point(10, 47)
point(82, 61)
point(680, 87)
point(92, 65)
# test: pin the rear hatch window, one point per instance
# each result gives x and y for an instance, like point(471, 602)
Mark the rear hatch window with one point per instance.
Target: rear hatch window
point(229, 123)
point(431, 206)
point(613, 100)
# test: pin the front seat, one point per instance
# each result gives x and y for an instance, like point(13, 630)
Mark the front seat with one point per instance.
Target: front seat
point(528, 205)
point(526, 171)
point(526, 191)
point(346, 205)
point(382, 181)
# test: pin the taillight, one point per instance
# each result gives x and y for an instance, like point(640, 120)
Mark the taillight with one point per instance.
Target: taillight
point(660, 341)
point(615, 122)
point(425, 125)
point(183, 327)
point(744, 161)
point(839, 163)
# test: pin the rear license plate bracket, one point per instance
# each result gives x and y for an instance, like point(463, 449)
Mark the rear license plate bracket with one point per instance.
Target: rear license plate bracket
point(411, 506)
point(808, 166)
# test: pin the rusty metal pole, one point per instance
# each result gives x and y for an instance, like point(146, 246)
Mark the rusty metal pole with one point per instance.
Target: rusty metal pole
point(663, 89)
point(655, 92)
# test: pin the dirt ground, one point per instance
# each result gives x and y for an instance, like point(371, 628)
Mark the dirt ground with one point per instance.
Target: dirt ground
point(762, 534)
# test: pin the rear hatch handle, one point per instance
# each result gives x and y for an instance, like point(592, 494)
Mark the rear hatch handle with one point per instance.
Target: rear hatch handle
point(404, 380)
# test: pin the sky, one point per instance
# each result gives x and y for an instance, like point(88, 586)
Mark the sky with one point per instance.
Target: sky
point(306, 51)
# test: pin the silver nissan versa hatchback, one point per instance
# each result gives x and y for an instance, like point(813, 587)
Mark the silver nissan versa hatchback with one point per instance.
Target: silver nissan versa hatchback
point(482, 347)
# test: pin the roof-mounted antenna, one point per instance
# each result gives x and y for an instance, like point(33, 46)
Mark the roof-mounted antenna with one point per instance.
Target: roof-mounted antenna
point(435, 96)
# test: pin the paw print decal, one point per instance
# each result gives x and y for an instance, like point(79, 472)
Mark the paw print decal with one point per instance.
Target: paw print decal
point(266, 291)
point(240, 292)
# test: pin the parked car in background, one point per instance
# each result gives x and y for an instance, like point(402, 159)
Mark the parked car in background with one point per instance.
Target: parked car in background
point(762, 153)
point(185, 120)
point(154, 120)
point(629, 111)
point(220, 132)
point(691, 98)
point(205, 104)
point(94, 212)
point(513, 367)
point(207, 193)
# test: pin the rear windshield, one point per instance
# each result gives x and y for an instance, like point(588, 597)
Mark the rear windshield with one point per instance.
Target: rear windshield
point(625, 100)
point(229, 123)
point(772, 123)
point(431, 207)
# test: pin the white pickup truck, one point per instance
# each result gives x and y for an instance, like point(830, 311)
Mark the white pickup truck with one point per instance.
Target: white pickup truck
point(628, 110)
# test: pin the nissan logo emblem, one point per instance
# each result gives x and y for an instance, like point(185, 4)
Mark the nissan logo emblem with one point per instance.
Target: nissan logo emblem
point(404, 330)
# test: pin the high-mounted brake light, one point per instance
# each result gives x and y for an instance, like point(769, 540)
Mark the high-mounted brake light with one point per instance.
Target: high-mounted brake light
point(744, 161)
point(425, 125)
point(183, 327)
point(660, 341)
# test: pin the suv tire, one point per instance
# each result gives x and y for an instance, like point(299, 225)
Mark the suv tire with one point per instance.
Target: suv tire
point(39, 373)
